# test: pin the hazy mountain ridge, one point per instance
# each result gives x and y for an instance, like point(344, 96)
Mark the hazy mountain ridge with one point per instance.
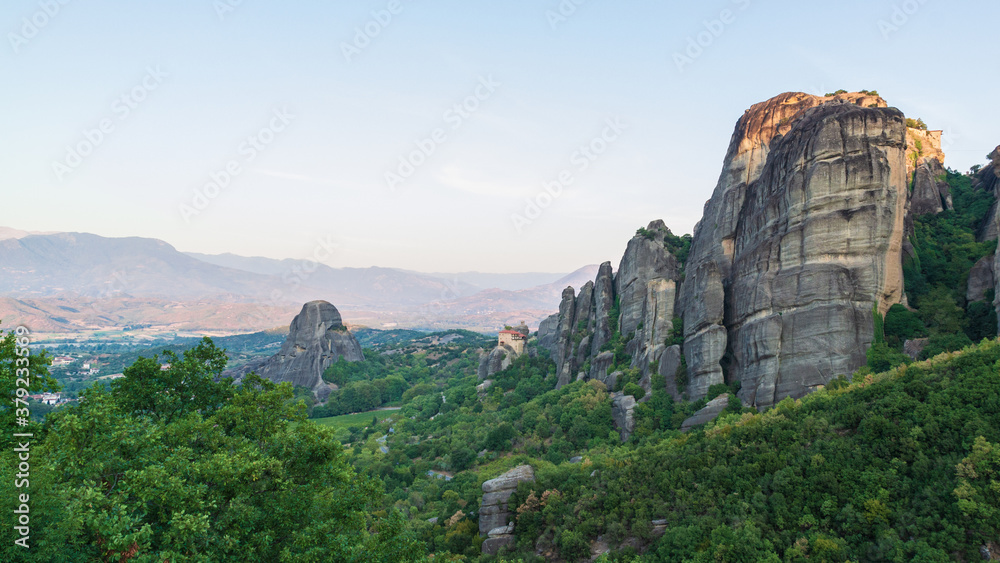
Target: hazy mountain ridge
point(69, 282)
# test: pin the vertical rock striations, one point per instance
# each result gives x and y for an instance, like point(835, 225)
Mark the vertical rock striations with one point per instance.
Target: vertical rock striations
point(800, 240)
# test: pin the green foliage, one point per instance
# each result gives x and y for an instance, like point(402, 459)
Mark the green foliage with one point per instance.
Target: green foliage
point(679, 246)
point(878, 328)
point(883, 358)
point(916, 123)
point(676, 335)
point(978, 489)
point(188, 386)
point(634, 389)
point(902, 324)
point(982, 320)
point(944, 342)
point(940, 312)
point(841, 91)
point(862, 472)
point(645, 233)
point(716, 390)
point(13, 359)
point(207, 472)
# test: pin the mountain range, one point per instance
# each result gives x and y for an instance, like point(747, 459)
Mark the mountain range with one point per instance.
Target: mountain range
point(71, 282)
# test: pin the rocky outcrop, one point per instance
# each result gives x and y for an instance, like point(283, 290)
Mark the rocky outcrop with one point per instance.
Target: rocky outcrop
point(988, 179)
point(706, 414)
point(494, 516)
point(604, 300)
point(317, 338)
point(929, 193)
point(646, 286)
point(498, 359)
point(980, 279)
point(670, 364)
point(914, 347)
point(798, 245)
point(621, 413)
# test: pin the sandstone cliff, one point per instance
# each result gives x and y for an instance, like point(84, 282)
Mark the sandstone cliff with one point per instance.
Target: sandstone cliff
point(317, 338)
point(798, 245)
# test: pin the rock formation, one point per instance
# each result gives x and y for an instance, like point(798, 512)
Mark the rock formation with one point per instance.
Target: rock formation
point(798, 245)
point(930, 194)
point(505, 352)
point(708, 413)
point(621, 412)
point(988, 178)
point(980, 279)
point(317, 338)
point(494, 516)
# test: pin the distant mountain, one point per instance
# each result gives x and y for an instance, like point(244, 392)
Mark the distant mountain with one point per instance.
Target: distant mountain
point(92, 266)
point(7, 232)
point(70, 282)
point(369, 287)
point(509, 282)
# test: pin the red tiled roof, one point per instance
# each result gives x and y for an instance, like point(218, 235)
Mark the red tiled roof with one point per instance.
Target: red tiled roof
point(512, 332)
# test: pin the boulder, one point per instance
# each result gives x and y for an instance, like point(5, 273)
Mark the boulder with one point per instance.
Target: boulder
point(914, 347)
point(708, 413)
point(980, 279)
point(317, 338)
point(494, 515)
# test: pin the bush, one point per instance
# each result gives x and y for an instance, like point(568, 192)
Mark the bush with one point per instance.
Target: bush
point(940, 343)
point(903, 324)
point(883, 358)
point(634, 390)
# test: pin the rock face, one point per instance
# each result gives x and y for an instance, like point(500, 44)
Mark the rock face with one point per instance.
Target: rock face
point(645, 290)
point(621, 412)
point(798, 245)
point(498, 359)
point(924, 169)
point(317, 338)
point(980, 279)
point(494, 515)
point(988, 178)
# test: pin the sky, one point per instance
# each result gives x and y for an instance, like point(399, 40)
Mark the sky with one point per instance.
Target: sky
point(442, 135)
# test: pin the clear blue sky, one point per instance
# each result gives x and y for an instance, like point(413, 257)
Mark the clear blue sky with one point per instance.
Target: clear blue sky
point(555, 86)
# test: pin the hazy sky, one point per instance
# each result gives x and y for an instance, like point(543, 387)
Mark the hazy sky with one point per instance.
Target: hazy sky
point(312, 106)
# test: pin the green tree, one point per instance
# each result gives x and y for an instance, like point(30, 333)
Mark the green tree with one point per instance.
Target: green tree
point(21, 363)
point(237, 475)
point(978, 488)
